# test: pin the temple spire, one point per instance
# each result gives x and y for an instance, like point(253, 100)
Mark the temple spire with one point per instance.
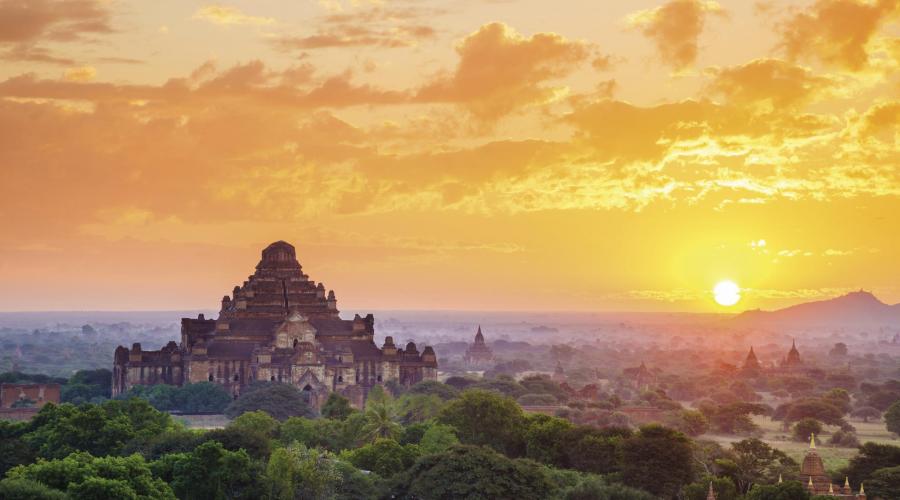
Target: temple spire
point(812, 441)
point(846, 482)
point(779, 479)
point(711, 495)
point(862, 491)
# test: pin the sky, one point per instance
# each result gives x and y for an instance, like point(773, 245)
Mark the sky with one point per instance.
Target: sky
point(465, 154)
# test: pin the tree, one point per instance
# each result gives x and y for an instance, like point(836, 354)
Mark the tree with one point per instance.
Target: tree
point(814, 408)
point(281, 401)
point(381, 416)
point(733, 418)
point(486, 419)
point(438, 439)
point(23, 489)
point(412, 408)
point(253, 442)
point(201, 397)
point(460, 383)
point(300, 472)
point(788, 490)
point(871, 457)
point(593, 452)
point(434, 388)
point(84, 476)
point(13, 449)
point(65, 429)
point(758, 463)
point(537, 400)
point(337, 407)
point(691, 422)
point(806, 427)
point(593, 487)
point(892, 418)
point(384, 457)
point(839, 398)
point(723, 487)
point(657, 459)
point(212, 472)
point(545, 439)
point(504, 384)
point(87, 385)
point(884, 483)
point(472, 472)
point(256, 421)
point(865, 413)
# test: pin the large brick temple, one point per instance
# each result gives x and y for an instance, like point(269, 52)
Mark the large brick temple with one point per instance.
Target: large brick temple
point(278, 326)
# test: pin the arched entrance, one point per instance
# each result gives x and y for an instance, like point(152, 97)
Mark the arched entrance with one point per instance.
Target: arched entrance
point(307, 393)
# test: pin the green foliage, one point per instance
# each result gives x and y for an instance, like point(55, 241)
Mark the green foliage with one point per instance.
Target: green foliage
point(892, 417)
point(658, 460)
point(755, 462)
point(253, 442)
point(412, 408)
point(24, 489)
point(593, 487)
point(537, 400)
point(381, 416)
point(212, 472)
point(281, 401)
point(98, 429)
point(85, 476)
point(488, 419)
point(594, 453)
point(434, 388)
point(13, 449)
point(87, 385)
point(865, 413)
point(545, 439)
point(385, 457)
point(884, 483)
point(818, 409)
point(438, 439)
point(871, 457)
point(256, 421)
point(788, 490)
point(691, 422)
point(723, 487)
point(805, 427)
point(542, 384)
point(733, 418)
point(475, 473)
point(29, 378)
point(337, 407)
point(844, 439)
point(503, 384)
point(300, 472)
point(202, 397)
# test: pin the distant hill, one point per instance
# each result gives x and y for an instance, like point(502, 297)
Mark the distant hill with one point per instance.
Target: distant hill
point(853, 309)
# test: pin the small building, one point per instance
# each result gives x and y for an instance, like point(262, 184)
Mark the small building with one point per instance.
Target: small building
point(478, 354)
point(28, 395)
point(817, 481)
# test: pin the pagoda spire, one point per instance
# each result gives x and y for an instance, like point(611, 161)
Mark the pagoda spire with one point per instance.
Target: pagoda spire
point(812, 441)
point(830, 488)
point(862, 491)
point(846, 482)
point(711, 495)
point(779, 479)
point(809, 484)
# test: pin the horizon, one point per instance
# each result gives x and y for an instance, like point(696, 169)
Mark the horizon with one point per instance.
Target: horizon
point(627, 157)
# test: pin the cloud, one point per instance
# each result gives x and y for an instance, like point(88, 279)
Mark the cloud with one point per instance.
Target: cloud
point(769, 82)
point(80, 74)
point(25, 24)
point(373, 27)
point(836, 32)
point(227, 16)
point(500, 70)
point(675, 27)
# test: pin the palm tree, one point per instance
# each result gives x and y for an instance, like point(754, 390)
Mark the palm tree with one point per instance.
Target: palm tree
point(381, 416)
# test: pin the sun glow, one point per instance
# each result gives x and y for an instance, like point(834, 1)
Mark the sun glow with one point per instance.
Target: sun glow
point(727, 293)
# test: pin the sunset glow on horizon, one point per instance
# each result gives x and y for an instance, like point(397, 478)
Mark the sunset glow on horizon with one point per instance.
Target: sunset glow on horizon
point(474, 155)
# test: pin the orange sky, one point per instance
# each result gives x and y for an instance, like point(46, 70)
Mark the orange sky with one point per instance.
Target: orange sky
point(468, 154)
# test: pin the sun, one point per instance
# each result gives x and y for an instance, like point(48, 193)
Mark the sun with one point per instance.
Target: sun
point(727, 293)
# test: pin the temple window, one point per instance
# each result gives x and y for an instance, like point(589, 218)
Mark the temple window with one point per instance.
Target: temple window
point(210, 377)
point(236, 377)
point(379, 378)
point(273, 378)
point(340, 379)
